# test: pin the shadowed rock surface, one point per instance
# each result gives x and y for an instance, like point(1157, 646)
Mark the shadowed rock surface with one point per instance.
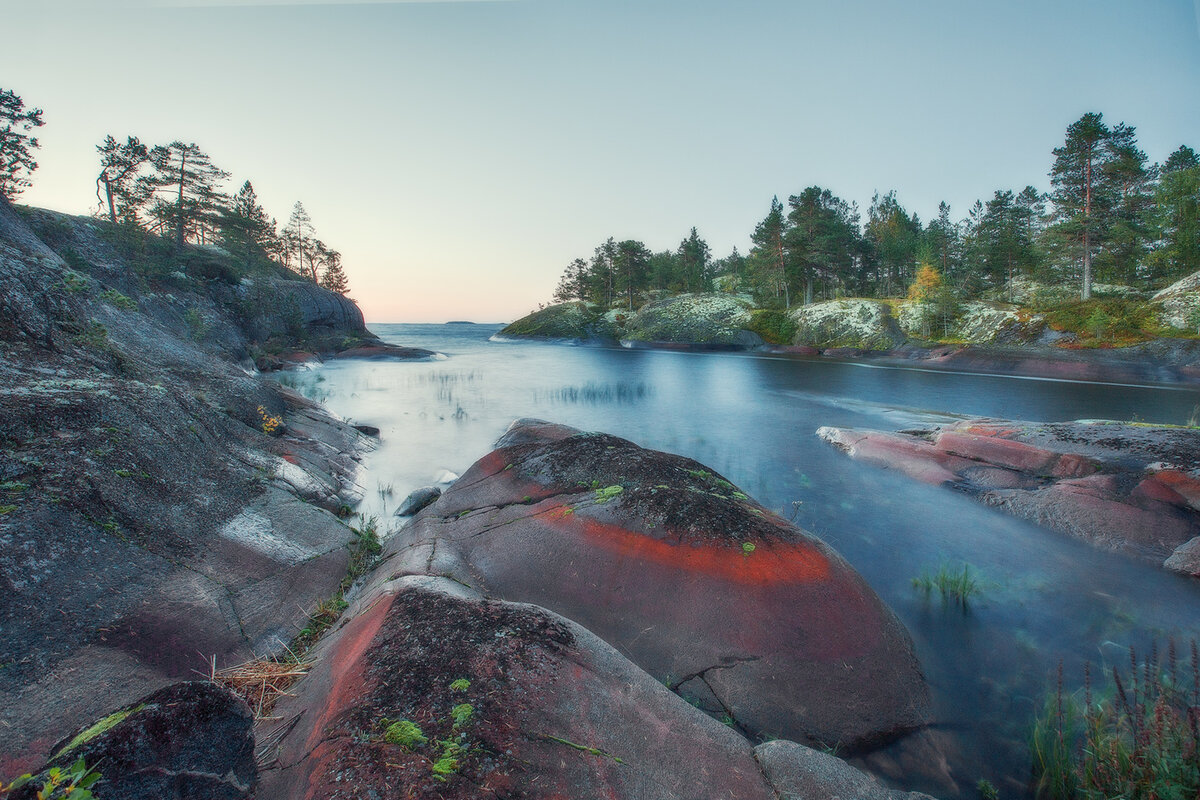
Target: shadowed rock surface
point(1131, 488)
point(160, 505)
point(189, 741)
point(735, 609)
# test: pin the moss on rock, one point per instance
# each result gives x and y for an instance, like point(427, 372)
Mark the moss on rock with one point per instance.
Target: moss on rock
point(562, 321)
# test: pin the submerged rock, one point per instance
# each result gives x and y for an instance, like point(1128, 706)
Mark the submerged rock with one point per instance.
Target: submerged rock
point(710, 593)
point(187, 741)
point(418, 499)
point(1131, 488)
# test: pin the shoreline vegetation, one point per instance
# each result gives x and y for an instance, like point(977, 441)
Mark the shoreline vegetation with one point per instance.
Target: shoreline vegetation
point(1107, 260)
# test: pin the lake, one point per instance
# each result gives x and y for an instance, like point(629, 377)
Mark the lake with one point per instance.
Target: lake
point(1046, 599)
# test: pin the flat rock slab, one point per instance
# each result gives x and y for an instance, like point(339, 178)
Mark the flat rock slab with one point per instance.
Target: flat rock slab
point(667, 561)
point(1126, 487)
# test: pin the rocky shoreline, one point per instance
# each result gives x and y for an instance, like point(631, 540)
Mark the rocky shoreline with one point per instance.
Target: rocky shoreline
point(999, 340)
point(1126, 487)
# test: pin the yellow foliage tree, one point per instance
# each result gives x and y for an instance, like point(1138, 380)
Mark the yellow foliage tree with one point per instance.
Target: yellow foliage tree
point(927, 282)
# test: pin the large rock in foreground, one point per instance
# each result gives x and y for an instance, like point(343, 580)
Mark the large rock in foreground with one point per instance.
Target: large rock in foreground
point(730, 606)
point(859, 324)
point(432, 691)
point(707, 320)
point(1131, 488)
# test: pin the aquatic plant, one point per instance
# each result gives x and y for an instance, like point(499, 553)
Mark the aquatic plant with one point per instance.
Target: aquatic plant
point(952, 584)
point(1139, 740)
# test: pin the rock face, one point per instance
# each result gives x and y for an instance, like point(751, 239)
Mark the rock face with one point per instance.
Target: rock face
point(1179, 302)
point(187, 741)
point(730, 606)
point(436, 690)
point(861, 324)
point(562, 321)
point(994, 323)
point(190, 502)
point(713, 320)
point(1124, 487)
point(499, 698)
point(285, 303)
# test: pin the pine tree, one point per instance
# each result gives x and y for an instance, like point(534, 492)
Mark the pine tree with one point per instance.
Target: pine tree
point(631, 268)
point(1176, 217)
point(119, 167)
point(766, 261)
point(16, 145)
point(185, 189)
point(1081, 207)
point(573, 283)
point(1130, 182)
point(695, 257)
point(299, 242)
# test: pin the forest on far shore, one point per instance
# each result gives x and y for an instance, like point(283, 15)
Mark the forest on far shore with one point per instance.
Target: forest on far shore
point(1110, 217)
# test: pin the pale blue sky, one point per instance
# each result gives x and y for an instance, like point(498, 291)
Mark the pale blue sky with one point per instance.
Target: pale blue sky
point(459, 154)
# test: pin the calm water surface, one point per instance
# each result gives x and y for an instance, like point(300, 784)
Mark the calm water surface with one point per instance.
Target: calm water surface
point(1046, 598)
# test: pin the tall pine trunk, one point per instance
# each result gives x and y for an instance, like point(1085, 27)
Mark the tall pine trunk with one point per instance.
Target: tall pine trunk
point(179, 205)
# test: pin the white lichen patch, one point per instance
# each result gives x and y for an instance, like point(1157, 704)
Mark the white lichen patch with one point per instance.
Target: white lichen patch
point(1179, 303)
point(996, 323)
point(255, 531)
point(846, 323)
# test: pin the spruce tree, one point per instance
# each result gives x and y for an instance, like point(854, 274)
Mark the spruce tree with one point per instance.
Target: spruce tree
point(334, 278)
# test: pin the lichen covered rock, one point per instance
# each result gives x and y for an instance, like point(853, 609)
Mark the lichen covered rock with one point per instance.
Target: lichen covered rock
point(1178, 303)
point(996, 323)
point(717, 320)
point(853, 323)
point(563, 321)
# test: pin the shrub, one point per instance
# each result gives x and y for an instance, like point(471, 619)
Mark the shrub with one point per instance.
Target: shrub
point(774, 326)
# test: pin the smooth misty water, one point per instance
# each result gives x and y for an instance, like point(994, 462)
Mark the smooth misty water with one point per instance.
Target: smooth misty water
point(1046, 598)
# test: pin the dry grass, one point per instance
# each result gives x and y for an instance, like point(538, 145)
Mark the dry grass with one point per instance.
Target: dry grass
point(262, 682)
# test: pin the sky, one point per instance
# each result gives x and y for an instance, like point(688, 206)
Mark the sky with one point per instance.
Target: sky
point(460, 153)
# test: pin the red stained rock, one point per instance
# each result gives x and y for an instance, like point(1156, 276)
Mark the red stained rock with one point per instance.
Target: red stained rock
point(1085, 494)
point(997, 451)
point(555, 712)
point(916, 458)
point(1182, 484)
point(1153, 489)
point(689, 578)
